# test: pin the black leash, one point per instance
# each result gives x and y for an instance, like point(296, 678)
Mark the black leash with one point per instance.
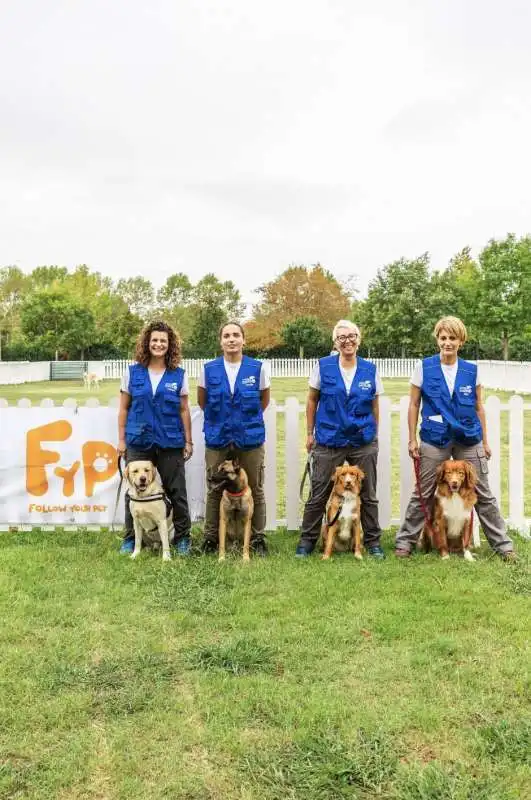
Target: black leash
point(120, 457)
point(308, 471)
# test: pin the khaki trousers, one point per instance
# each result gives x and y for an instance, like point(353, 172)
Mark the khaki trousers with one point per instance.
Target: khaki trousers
point(253, 463)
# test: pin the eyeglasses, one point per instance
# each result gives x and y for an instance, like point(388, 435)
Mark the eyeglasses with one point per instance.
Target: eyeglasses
point(351, 337)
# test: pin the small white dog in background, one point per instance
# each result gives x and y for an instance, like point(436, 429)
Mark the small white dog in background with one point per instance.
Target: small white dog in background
point(91, 380)
point(153, 520)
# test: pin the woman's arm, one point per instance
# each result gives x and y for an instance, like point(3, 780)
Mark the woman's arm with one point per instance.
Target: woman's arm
point(125, 403)
point(201, 397)
point(187, 425)
point(412, 420)
point(312, 401)
point(480, 410)
point(376, 411)
point(265, 397)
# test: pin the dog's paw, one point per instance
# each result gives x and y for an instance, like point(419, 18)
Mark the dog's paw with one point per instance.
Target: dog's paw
point(246, 558)
point(166, 556)
point(358, 556)
point(135, 553)
point(325, 557)
point(445, 556)
point(468, 556)
point(221, 558)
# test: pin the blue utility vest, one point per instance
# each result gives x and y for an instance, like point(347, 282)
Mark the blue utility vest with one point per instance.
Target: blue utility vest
point(233, 418)
point(460, 420)
point(154, 420)
point(345, 420)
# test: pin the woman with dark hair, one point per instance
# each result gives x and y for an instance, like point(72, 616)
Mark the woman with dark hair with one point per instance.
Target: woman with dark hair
point(154, 423)
point(233, 391)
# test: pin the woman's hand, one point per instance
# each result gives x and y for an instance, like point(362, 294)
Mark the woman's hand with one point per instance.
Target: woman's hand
point(188, 450)
point(488, 451)
point(310, 441)
point(121, 447)
point(413, 448)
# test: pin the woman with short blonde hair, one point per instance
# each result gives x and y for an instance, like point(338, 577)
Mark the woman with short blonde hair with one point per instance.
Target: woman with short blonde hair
point(447, 391)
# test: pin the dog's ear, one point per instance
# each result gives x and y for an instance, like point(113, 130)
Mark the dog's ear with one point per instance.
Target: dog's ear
point(440, 472)
point(471, 475)
point(152, 473)
point(359, 474)
point(126, 473)
point(236, 464)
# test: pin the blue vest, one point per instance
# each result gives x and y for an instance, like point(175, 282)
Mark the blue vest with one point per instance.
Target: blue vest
point(345, 420)
point(233, 418)
point(460, 420)
point(154, 420)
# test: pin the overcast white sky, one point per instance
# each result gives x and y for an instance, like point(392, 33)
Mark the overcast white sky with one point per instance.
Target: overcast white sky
point(146, 138)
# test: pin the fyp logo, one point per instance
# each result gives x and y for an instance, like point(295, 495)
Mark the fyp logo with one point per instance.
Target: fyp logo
point(99, 460)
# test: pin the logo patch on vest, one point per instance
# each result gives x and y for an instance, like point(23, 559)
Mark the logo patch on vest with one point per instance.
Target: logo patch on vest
point(365, 385)
point(250, 381)
point(467, 390)
point(171, 387)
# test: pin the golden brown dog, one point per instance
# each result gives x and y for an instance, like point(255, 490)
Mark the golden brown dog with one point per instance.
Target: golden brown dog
point(455, 498)
point(236, 506)
point(341, 530)
point(151, 518)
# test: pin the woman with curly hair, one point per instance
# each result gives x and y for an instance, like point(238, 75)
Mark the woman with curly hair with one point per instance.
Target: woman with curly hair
point(154, 423)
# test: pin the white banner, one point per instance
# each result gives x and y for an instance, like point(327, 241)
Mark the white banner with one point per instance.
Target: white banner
point(58, 466)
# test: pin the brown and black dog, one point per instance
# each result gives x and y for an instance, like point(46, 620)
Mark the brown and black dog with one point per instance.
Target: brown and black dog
point(236, 506)
point(341, 530)
point(455, 498)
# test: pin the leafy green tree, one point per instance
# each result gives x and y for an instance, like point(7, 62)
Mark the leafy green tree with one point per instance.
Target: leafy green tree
point(175, 304)
point(504, 290)
point(57, 322)
point(214, 302)
point(139, 295)
point(396, 314)
point(13, 284)
point(305, 334)
point(44, 276)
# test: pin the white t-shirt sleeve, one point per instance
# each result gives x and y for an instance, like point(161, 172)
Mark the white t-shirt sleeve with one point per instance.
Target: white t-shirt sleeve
point(478, 376)
point(315, 378)
point(185, 388)
point(265, 376)
point(379, 384)
point(416, 378)
point(201, 379)
point(124, 383)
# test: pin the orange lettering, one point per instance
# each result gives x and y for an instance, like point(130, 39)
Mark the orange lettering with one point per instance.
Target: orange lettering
point(37, 458)
point(68, 477)
point(91, 454)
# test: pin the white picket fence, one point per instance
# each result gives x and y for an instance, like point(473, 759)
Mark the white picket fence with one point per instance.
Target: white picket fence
point(283, 504)
point(511, 376)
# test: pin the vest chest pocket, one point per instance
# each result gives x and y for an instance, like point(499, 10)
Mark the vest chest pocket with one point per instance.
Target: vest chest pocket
point(214, 401)
point(328, 393)
point(251, 403)
point(171, 403)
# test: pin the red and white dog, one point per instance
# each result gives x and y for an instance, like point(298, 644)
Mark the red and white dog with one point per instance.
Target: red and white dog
point(455, 498)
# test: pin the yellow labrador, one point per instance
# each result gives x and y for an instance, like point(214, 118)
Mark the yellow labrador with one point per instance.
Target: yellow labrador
point(151, 518)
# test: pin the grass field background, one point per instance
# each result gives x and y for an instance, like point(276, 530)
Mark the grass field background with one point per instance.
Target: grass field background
point(293, 387)
point(279, 680)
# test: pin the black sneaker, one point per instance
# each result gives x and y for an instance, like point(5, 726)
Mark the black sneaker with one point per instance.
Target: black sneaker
point(259, 548)
point(209, 546)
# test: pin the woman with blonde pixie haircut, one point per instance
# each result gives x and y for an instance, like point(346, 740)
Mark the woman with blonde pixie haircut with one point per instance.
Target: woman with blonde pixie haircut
point(447, 390)
point(342, 425)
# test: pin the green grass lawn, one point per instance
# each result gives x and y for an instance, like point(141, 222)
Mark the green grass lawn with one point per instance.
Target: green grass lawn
point(280, 680)
point(292, 387)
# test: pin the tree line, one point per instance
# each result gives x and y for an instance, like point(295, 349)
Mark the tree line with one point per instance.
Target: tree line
point(56, 313)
